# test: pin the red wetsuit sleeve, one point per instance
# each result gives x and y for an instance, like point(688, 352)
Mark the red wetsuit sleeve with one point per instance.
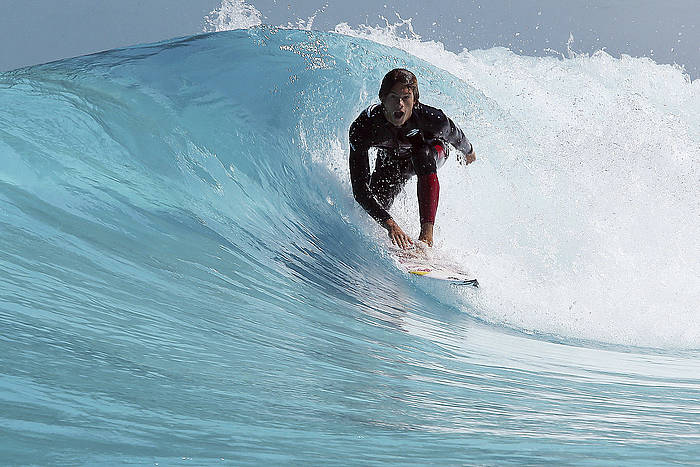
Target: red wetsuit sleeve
point(428, 197)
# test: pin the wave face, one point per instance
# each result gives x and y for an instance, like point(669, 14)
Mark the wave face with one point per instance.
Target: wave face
point(186, 278)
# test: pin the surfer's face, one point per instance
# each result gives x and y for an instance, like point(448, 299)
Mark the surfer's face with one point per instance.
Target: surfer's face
point(398, 104)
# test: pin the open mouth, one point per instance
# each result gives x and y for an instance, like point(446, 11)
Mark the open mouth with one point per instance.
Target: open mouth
point(398, 114)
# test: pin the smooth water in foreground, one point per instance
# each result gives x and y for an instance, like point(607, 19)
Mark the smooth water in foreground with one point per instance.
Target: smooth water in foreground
point(186, 279)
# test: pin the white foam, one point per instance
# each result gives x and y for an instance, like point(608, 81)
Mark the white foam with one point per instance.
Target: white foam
point(232, 14)
point(589, 226)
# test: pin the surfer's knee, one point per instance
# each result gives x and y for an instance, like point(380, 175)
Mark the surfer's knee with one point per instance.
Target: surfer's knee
point(440, 154)
point(424, 160)
point(428, 158)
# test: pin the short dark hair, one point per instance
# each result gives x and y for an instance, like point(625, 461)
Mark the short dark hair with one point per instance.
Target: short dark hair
point(399, 75)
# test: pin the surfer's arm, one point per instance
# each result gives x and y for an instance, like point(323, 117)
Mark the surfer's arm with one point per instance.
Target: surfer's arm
point(359, 137)
point(360, 177)
point(452, 134)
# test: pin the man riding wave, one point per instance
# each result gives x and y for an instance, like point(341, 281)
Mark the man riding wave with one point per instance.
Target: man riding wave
point(410, 138)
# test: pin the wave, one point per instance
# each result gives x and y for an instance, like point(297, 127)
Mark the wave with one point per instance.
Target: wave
point(579, 220)
point(186, 277)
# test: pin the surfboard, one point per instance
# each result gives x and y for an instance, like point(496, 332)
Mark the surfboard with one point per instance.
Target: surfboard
point(420, 262)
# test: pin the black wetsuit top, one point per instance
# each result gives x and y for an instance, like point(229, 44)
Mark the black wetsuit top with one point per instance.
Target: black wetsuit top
point(395, 162)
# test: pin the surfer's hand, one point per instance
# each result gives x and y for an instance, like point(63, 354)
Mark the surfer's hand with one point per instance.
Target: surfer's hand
point(467, 158)
point(397, 236)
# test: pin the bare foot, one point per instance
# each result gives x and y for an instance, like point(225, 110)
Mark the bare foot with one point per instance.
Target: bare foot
point(426, 233)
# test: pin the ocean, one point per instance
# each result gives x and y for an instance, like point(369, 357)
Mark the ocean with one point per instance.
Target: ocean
point(185, 278)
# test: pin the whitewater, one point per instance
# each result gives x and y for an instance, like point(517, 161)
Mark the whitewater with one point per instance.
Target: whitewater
point(185, 277)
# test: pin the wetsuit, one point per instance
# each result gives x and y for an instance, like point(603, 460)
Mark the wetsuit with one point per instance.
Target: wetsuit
point(400, 156)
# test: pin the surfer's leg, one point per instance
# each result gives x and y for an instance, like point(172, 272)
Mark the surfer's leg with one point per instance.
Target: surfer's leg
point(426, 161)
point(388, 179)
point(429, 158)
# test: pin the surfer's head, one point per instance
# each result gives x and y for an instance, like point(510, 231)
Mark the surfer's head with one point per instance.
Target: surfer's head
point(399, 94)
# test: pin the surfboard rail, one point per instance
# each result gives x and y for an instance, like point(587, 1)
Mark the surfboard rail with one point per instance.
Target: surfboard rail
point(419, 262)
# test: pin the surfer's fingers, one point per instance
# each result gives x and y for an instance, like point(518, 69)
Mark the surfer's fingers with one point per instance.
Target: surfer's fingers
point(396, 240)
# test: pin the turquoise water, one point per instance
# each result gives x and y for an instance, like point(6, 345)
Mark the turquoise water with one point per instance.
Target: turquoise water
point(186, 279)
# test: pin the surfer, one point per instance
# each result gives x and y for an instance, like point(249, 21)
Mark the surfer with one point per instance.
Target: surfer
point(410, 139)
